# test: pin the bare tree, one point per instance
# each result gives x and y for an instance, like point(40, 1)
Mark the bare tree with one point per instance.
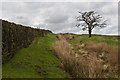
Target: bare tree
point(90, 20)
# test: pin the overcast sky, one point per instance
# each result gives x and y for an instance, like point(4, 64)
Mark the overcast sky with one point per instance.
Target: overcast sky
point(59, 17)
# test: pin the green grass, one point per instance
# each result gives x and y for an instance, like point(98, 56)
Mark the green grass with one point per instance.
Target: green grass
point(36, 61)
point(84, 38)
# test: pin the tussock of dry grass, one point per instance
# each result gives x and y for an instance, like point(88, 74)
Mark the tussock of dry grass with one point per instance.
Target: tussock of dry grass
point(110, 54)
point(80, 66)
point(90, 60)
point(98, 47)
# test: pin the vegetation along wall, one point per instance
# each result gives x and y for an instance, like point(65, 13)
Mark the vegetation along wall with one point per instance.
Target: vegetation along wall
point(15, 37)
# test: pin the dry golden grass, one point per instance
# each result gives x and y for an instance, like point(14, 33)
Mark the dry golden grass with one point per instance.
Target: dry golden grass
point(99, 61)
point(80, 66)
point(111, 52)
point(110, 55)
point(98, 47)
point(113, 59)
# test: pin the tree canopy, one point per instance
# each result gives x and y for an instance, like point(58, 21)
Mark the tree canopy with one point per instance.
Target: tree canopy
point(90, 20)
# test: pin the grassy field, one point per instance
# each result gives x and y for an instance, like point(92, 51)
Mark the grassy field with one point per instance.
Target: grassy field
point(36, 61)
point(84, 38)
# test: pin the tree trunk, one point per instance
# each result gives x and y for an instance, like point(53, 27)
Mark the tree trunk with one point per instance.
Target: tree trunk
point(90, 33)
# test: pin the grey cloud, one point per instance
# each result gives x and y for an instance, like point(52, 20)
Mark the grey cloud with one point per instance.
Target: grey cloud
point(23, 20)
point(60, 1)
point(59, 17)
point(20, 17)
point(56, 19)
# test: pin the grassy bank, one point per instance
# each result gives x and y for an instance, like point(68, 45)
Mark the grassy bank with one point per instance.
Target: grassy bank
point(36, 61)
point(80, 56)
point(84, 38)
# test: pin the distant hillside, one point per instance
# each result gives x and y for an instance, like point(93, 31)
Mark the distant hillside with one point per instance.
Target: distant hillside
point(16, 36)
